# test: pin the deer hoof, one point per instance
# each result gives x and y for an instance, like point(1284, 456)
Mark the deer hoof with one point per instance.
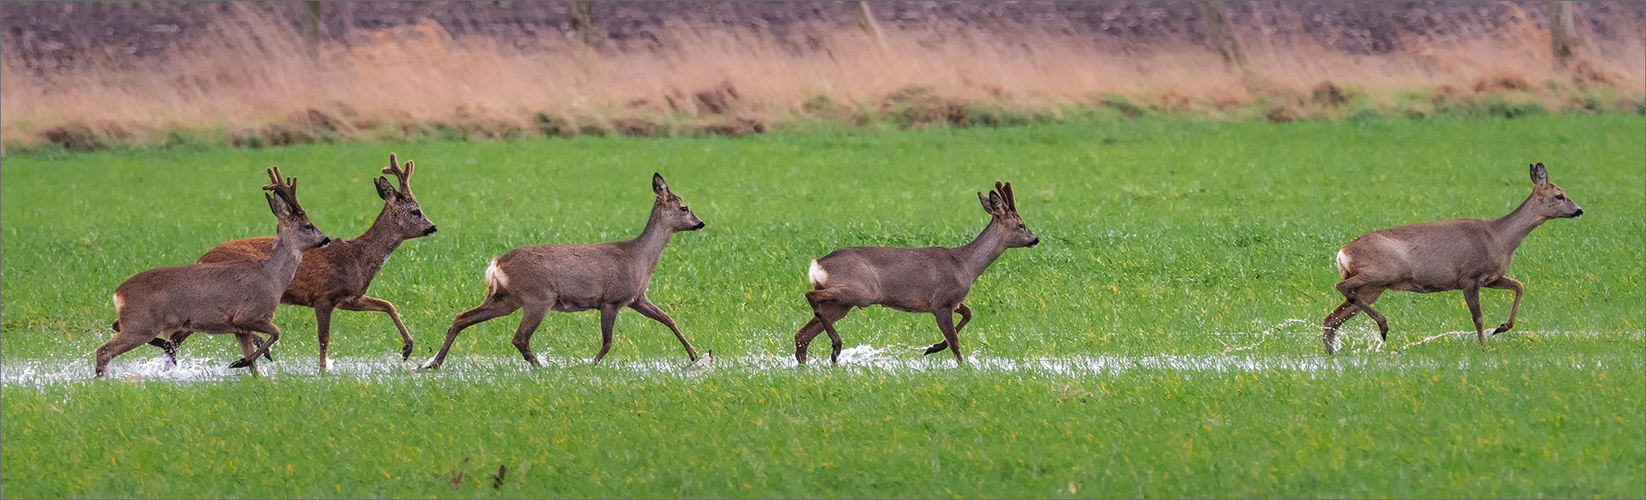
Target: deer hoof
point(1502, 328)
point(405, 353)
point(937, 348)
point(242, 363)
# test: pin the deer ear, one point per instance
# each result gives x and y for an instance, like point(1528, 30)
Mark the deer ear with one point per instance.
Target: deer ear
point(277, 205)
point(996, 201)
point(1539, 175)
point(985, 201)
point(658, 186)
point(384, 190)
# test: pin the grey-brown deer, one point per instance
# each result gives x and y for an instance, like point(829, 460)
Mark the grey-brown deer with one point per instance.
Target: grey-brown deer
point(932, 280)
point(1458, 254)
point(570, 278)
point(337, 275)
point(237, 297)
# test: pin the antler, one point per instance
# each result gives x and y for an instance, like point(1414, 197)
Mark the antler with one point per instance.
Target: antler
point(1005, 190)
point(404, 176)
point(286, 189)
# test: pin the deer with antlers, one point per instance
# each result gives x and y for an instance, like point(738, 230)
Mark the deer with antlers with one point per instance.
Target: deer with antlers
point(933, 280)
point(1458, 254)
point(570, 278)
point(237, 297)
point(336, 276)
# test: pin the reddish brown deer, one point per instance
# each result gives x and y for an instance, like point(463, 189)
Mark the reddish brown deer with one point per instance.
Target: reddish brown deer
point(570, 278)
point(932, 280)
point(237, 297)
point(1458, 254)
point(336, 276)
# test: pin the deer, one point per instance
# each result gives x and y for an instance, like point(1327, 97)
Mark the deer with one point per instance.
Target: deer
point(932, 280)
point(578, 277)
point(336, 276)
point(1457, 254)
point(237, 297)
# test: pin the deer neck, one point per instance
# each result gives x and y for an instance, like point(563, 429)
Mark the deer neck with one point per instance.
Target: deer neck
point(1511, 229)
point(282, 262)
point(977, 255)
point(381, 238)
point(649, 245)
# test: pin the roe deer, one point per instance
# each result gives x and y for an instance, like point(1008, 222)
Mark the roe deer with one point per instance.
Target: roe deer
point(236, 297)
point(931, 280)
point(337, 275)
point(570, 278)
point(1458, 254)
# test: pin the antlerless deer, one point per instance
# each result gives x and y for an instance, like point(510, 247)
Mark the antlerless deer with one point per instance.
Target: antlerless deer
point(604, 276)
point(1459, 254)
point(236, 297)
point(932, 280)
point(336, 276)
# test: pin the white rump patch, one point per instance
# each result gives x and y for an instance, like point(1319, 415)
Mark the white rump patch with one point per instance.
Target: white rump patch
point(118, 303)
point(495, 276)
point(817, 275)
point(1342, 265)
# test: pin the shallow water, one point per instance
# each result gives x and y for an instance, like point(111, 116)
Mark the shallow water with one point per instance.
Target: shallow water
point(1363, 353)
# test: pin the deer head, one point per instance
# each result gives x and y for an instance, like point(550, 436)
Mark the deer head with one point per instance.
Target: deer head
point(676, 216)
point(1548, 201)
point(293, 220)
point(399, 204)
point(1001, 205)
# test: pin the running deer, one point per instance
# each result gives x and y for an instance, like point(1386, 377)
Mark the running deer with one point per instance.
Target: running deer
point(931, 280)
point(237, 297)
point(1458, 254)
point(337, 275)
point(570, 278)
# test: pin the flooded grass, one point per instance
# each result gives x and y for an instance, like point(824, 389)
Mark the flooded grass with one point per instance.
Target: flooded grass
point(1163, 340)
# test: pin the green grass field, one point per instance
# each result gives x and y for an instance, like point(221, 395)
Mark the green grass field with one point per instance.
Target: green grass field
point(1163, 340)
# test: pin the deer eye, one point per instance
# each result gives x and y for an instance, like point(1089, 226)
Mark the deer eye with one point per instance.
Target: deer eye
point(684, 209)
point(1560, 197)
point(308, 226)
point(417, 213)
point(1020, 226)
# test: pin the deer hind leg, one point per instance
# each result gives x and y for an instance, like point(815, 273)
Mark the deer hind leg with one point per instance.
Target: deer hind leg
point(496, 305)
point(170, 347)
point(645, 307)
point(1471, 297)
point(827, 308)
point(531, 315)
point(132, 335)
point(1507, 283)
point(1362, 294)
point(824, 315)
point(365, 303)
point(1343, 312)
point(608, 321)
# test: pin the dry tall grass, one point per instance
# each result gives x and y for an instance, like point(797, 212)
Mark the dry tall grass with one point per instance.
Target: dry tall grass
point(251, 80)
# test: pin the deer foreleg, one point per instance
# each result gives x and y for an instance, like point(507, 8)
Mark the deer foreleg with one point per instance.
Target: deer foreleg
point(1471, 297)
point(645, 307)
point(530, 316)
point(945, 323)
point(322, 329)
point(608, 321)
point(965, 317)
point(364, 303)
point(249, 344)
point(1507, 283)
point(263, 327)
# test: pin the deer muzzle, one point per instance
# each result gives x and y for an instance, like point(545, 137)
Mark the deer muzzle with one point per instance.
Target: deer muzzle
point(1033, 243)
point(429, 231)
point(323, 242)
point(699, 226)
